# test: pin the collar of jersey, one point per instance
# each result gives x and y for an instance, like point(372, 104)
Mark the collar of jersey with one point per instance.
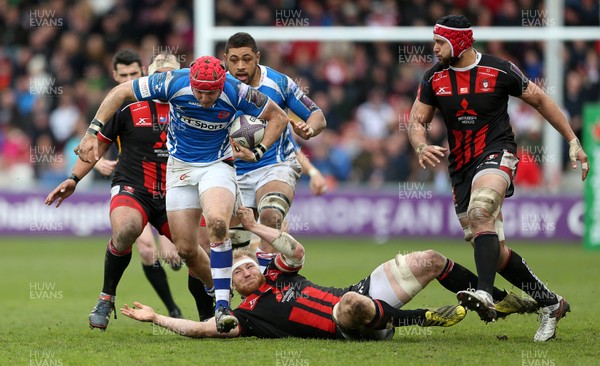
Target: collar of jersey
point(470, 66)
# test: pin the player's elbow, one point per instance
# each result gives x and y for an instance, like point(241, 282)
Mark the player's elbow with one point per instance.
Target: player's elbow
point(298, 254)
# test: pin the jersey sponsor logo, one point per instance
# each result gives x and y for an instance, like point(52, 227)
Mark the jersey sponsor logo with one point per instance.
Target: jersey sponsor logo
point(485, 81)
point(463, 82)
point(160, 145)
point(139, 106)
point(466, 116)
point(203, 125)
point(223, 114)
point(128, 189)
point(142, 122)
point(144, 87)
point(443, 90)
point(184, 176)
point(441, 84)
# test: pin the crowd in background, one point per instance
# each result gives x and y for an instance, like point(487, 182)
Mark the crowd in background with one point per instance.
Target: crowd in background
point(56, 67)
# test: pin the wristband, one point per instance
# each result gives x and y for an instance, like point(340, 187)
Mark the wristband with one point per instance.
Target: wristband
point(95, 127)
point(420, 148)
point(74, 177)
point(312, 171)
point(259, 151)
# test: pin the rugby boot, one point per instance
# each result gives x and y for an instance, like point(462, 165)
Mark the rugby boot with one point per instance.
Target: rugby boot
point(444, 316)
point(479, 301)
point(100, 314)
point(550, 316)
point(515, 304)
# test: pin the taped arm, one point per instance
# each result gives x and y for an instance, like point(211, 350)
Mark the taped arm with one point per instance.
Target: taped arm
point(292, 252)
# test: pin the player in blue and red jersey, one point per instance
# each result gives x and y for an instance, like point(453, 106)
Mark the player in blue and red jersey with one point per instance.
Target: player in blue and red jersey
point(138, 185)
point(471, 90)
point(268, 186)
point(200, 174)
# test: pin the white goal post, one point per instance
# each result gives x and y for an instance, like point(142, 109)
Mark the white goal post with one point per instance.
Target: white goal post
point(206, 36)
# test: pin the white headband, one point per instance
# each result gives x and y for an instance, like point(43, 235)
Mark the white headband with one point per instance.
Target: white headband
point(241, 262)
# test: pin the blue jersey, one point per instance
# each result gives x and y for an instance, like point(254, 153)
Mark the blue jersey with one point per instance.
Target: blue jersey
point(285, 92)
point(199, 135)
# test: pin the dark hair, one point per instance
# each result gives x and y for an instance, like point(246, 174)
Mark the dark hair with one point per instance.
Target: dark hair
point(126, 57)
point(241, 39)
point(454, 21)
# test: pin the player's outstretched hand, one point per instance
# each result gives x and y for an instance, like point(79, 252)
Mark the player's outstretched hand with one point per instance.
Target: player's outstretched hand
point(87, 150)
point(240, 152)
point(318, 184)
point(246, 217)
point(430, 154)
point(302, 129)
point(143, 313)
point(64, 190)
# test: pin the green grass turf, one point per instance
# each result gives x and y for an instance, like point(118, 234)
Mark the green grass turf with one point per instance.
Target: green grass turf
point(37, 330)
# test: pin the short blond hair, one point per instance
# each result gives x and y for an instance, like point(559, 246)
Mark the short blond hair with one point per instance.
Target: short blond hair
point(243, 252)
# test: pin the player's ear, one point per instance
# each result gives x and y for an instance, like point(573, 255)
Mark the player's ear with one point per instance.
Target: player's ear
point(257, 57)
point(115, 76)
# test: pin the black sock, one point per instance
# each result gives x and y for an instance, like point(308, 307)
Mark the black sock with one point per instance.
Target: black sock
point(385, 313)
point(158, 278)
point(456, 278)
point(115, 264)
point(518, 273)
point(487, 254)
point(204, 302)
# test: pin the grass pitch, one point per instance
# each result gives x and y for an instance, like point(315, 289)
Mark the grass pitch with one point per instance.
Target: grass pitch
point(49, 285)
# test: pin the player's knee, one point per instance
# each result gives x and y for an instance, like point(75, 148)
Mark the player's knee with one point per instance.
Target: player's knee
point(127, 233)
point(271, 218)
point(272, 209)
point(217, 227)
point(484, 207)
point(146, 254)
point(188, 252)
point(436, 262)
point(478, 216)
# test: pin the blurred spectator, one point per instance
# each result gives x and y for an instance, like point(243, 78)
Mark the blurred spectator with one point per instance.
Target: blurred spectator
point(64, 118)
point(375, 116)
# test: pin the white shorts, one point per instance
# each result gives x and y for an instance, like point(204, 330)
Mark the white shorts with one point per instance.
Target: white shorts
point(287, 171)
point(186, 182)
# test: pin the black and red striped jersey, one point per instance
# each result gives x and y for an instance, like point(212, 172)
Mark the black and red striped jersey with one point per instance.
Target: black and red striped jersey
point(473, 102)
point(289, 305)
point(140, 131)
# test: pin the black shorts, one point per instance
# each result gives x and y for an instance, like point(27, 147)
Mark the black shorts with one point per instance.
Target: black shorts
point(503, 160)
point(151, 206)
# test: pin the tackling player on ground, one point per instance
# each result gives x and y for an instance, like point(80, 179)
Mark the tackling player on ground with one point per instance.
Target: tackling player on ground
point(471, 90)
point(283, 303)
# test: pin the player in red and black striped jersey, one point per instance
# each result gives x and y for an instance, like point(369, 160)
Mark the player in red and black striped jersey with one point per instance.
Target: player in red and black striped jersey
point(283, 303)
point(143, 158)
point(471, 90)
point(138, 187)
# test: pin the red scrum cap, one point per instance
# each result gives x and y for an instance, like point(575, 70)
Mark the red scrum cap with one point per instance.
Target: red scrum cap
point(206, 74)
point(456, 30)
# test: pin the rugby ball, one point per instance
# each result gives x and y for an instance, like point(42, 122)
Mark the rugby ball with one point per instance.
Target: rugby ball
point(247, 130)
